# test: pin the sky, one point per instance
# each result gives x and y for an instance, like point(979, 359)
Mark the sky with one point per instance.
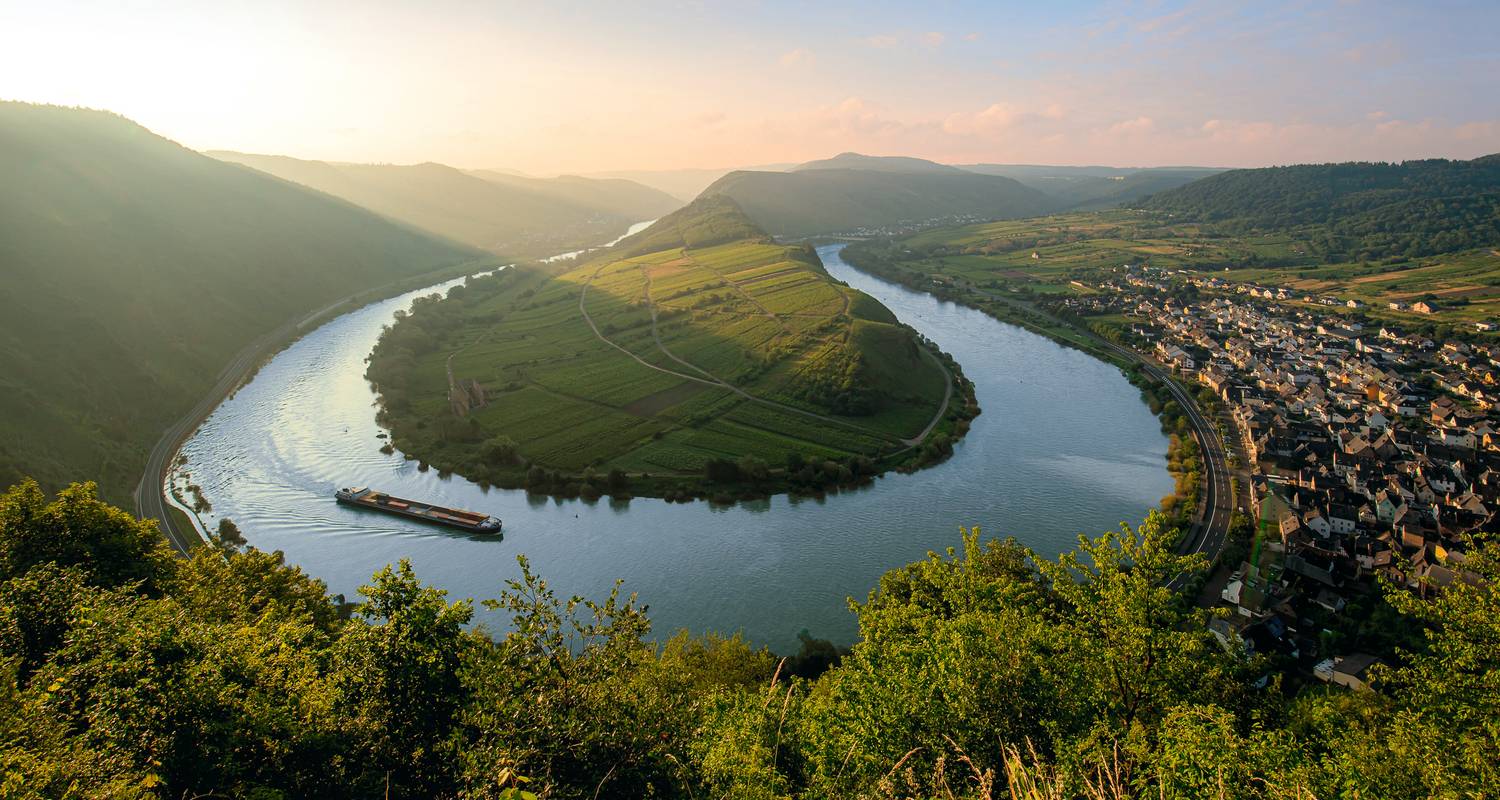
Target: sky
point(565, 86)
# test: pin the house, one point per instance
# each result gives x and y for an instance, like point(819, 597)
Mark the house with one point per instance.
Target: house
point(1350, 672)
point(1423, 307)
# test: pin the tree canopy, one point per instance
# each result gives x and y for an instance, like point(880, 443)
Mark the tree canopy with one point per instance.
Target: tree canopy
point(981, 672)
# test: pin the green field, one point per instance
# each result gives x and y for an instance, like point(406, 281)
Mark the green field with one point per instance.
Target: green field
point(1043, 256)
point(657, 364)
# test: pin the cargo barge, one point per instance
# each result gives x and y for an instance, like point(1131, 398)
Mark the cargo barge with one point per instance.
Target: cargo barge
point(363, 497)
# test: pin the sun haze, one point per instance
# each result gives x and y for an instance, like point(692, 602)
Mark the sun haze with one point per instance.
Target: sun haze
point(551, 88)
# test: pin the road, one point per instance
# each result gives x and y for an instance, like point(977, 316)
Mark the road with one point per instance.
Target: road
point(150, 495)
point(714, 380)
point(1211, 528)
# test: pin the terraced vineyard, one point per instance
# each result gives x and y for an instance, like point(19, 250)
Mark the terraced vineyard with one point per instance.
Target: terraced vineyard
point(658, 364)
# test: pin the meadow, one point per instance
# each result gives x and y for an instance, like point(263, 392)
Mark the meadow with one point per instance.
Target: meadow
point(655, 366)
point(1043, 255)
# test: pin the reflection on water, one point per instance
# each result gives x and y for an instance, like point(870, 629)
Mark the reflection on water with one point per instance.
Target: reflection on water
point(1064, 446)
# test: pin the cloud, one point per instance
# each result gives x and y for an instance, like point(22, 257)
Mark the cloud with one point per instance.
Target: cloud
point(1162, 21)
point(1132, 127)
point(999, 117)
point(801, 57)
point(857, 116)
point(996, 118)
point(933, 39)
point(883, 41)
point(972, 37)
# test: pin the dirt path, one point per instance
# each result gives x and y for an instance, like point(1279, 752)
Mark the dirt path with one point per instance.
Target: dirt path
point(943, 409)
point(713, 380)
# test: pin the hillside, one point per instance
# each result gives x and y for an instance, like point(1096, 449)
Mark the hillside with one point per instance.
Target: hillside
point(1085, 188)
point(1353, 210)
point(505, 214)
point(693, 345)
point(814, 201)
point(613, 197)
point(878, 164)
point(683, 184)
point(134, 269)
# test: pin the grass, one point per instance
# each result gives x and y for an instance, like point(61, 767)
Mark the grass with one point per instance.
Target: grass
point(822, 371)
point(1041, 256)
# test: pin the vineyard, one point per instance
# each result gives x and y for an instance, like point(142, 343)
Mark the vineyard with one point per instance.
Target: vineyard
point(657, 364)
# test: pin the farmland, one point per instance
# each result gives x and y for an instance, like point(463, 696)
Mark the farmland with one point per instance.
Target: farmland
point(648, 369)
point(1042, 257)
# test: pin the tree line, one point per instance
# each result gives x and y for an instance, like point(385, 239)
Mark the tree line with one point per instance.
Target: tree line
point(984, 671)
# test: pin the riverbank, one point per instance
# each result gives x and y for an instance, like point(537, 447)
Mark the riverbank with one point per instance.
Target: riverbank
point(154, 498)
point(726, 370)
point(1064, 447)
point(1201, 504)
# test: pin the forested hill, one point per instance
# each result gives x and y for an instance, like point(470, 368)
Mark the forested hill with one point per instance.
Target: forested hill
point(506, 214)
point(1354, 210)
point(709, 220)
point(1087, 188)
point(813, 201)
point(134, 269)
point(878, 164)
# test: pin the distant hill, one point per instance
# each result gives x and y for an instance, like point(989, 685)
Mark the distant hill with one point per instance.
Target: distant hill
point(710, 220)
point(819, 200)
point(878, 164)
point(491, 210)
point(1354, 210)
point(133, 270)
point(616, 197)
point(1087, 188)
point(684, 184)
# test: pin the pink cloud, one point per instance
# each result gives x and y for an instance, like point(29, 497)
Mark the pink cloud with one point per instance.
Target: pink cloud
point(801, 57)
point(1132, 127)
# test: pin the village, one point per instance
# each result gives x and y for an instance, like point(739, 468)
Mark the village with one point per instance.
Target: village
point(1373, 454)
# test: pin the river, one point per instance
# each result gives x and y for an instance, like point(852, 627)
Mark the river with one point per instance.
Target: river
point(1064, 446)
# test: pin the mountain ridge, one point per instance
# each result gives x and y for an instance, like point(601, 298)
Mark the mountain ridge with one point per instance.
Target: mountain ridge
point(136, 267)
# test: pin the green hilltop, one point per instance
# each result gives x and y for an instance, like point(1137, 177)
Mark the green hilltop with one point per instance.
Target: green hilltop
point(502, 213)
point(134, 270)
point(1357, 210)
point(1086, 188)
point(818, 200)
point(695, 344)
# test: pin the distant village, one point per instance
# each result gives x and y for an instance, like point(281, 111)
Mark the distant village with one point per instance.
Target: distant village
point(1372, 452)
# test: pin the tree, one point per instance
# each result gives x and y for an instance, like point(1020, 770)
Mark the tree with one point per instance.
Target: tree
point(397, 682)
point(499, 451)
point(77, 529)
point(752, 469)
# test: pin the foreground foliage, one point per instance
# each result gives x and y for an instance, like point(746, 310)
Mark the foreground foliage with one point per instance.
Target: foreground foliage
point(981, 673)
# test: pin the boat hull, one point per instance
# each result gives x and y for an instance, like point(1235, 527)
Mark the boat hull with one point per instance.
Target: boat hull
point(466, 521)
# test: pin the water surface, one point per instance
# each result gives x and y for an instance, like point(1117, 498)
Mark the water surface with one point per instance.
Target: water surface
point(1064, 446)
